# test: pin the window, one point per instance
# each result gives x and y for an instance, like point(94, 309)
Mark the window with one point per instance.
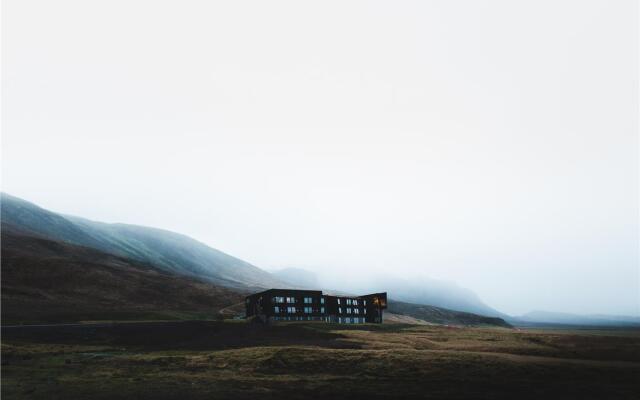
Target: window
point(278, 299)
point(355, 302)
point(347, 320)
point(307, 310)
point(339, 310)
point(307, 300)
point(348, 302)
point(291, 300)
point(356, 311)
point(276, 309)
point(321, 310)
point(348, 311)
point(291, 310)
point(321, 300)
point(365, 302)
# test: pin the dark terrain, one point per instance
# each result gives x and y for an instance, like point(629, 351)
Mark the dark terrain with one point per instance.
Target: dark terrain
point(235, 359)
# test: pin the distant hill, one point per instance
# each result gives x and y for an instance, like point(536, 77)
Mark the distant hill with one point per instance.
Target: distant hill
point(416, 290)
point(163, 249)
point(443, 316)
point(420, 290)
point(556, 318)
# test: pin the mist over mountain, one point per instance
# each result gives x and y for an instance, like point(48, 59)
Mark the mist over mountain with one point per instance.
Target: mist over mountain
point(170, 251)
point(422, 290)
point(65, 268)
point(417, 290)
point(183, 255)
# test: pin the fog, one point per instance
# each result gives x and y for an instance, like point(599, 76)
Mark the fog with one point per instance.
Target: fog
point(489, 143)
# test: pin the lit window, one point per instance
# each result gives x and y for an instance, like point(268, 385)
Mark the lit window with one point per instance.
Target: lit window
point(338, 301)
point(348, 311)
point(355, 302)
point(291, 310)
point(321, 310)
point(356, 311)
point(348, 302)
point(291, 300)
point(276, 309)
point(339, 310)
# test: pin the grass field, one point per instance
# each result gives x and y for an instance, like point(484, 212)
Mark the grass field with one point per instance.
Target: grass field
point(234, 359)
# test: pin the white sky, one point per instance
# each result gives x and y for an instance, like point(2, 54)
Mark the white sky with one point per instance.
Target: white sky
point(491, 143)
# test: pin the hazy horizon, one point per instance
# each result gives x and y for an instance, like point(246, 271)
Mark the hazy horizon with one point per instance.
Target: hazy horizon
point(490, 144)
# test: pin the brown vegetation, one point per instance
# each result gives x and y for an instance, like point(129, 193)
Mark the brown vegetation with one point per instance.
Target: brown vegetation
point(315, 360)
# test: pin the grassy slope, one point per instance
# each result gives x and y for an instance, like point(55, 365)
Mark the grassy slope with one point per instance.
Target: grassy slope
point(208, 360)
point(49, 281)
point(173, 252)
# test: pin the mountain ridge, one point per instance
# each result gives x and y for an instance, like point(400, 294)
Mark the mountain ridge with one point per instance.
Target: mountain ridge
point(168, 250)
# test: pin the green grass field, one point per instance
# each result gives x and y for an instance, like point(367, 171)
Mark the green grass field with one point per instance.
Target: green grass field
point(238, 360)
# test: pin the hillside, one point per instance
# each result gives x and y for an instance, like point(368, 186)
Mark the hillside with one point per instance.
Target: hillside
point(50, 281)
point(63, 268)
point(442, 316)
point(163, 249)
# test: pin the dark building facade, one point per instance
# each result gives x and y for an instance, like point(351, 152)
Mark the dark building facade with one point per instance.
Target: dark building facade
point(313, 305)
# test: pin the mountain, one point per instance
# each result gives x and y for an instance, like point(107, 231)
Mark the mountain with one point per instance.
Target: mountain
point(415, 290)
point(167, 250)
point(45, 280)
point(556, 318)
point(59, 268)
point(416, 301)
point(420, 290)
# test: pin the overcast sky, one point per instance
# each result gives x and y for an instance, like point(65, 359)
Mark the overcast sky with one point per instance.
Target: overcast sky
point(490, 143)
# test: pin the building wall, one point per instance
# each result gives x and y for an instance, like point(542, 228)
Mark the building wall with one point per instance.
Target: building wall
point(313, 305)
